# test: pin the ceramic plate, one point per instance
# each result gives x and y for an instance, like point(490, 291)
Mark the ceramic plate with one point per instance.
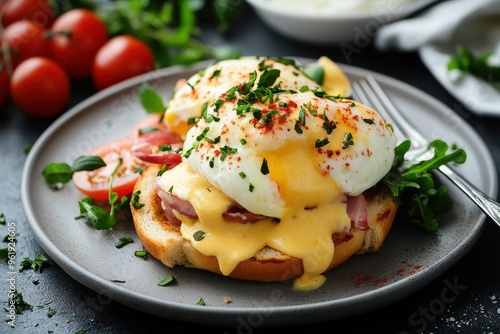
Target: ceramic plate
point(409, 260)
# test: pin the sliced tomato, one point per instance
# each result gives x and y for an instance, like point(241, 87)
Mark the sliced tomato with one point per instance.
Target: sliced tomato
point(158, 146)
point(95, 184)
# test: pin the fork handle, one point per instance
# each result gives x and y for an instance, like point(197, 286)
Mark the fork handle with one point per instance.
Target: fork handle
point(486, 203)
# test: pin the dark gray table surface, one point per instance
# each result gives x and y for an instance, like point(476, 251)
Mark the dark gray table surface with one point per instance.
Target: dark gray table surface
point(476, 309)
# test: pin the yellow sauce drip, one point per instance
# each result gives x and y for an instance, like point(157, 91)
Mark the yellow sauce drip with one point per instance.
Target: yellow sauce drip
point(315, 210)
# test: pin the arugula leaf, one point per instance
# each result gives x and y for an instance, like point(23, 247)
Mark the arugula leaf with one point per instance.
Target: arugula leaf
point(414, 188)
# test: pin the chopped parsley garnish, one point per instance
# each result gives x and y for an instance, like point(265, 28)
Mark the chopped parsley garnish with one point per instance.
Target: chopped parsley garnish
point(368, 121)
point(123, 241)
point(16, 299)
point(165, 148)
point(251, 187)
point(199, 235)
point(147, 129)
point(141, 253)
point(348, 141)
point(201, 302)
point(266, 119)
point(37, 264)
point(247, 86)
point(257, 113)
point(212, 141)
point(216, 73)
point(302, 117)
point(328, 125)
point(135, 200)
point(138, 169)
point(202, 134)
point(297, 128)
point(268, 77)
point(217, 105)
point(231, 93)
point(4, 253)
point(225, 150)
point(193, 120)
point(243, 141)
point(167, 280)
point(162, 170)
point(242, 175)
point(321, 142)
point(118, 281)
point(264, 169)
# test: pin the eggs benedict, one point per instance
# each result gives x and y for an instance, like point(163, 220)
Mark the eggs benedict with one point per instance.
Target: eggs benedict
point(279, 180)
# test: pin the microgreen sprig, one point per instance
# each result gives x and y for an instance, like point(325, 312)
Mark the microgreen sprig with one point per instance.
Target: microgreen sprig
point(98, 217)
point(414, 188)
point(59, 173)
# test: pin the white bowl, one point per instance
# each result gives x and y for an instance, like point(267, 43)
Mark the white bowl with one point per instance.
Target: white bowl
point(333, 21)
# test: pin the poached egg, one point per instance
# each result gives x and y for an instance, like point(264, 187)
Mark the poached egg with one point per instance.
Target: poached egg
point(206, 86)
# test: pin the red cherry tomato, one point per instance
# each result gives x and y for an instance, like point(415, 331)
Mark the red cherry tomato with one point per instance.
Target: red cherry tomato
point(122, 57)
point(76, 36)
point(26, 39)
point(95, 184)
point(38, 11)
point(40, 87)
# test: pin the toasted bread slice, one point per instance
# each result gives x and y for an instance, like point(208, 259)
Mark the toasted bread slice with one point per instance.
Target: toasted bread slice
point(164, 241)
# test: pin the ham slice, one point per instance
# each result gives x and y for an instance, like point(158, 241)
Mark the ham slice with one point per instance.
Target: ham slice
point(356, 209)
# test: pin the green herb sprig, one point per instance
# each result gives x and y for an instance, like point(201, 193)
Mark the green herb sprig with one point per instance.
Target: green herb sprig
point(57, 174)
point(37, 264)
point(415, 190)
point(477, 65)
point(98, 217)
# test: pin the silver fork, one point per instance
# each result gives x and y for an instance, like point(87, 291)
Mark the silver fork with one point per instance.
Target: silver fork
point(368, 91)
